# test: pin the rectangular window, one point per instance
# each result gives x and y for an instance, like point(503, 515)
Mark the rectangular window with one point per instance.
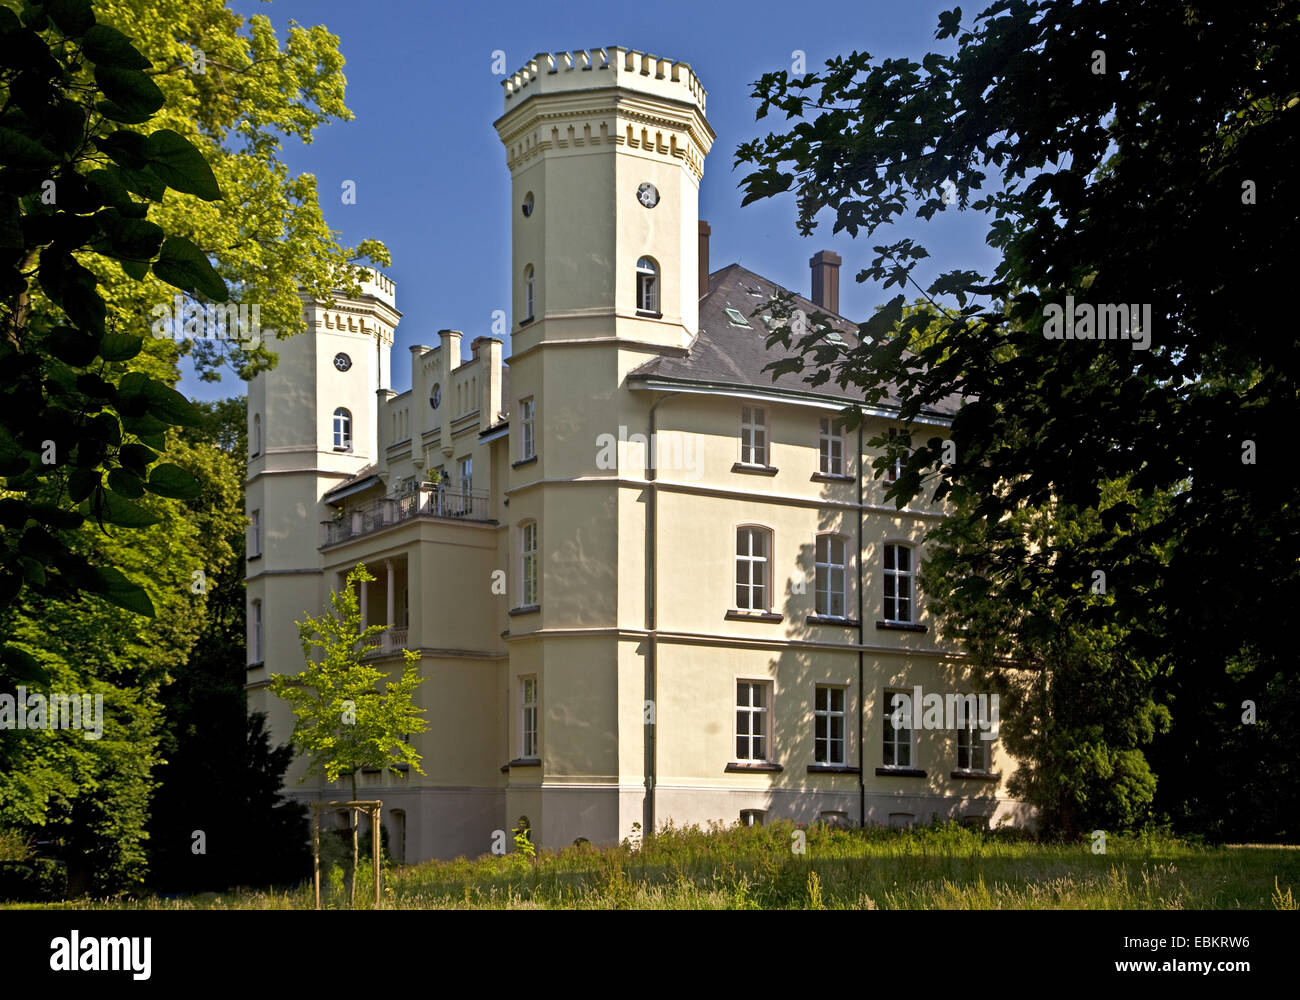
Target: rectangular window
point(751, 720)
point(528, 717)
point(257, 632)
point(828, 725)
point(898, 584)
point(898, 739)
point(905, 446)
point(466, 477)
point(972, 749)
point(830, 597)
point(753, 435)
point(751, 569)
point(527, 446)
point(528, 563)
point(255, 534)
point(831, 448)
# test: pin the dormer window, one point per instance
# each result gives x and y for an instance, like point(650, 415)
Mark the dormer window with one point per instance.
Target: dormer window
point(647, 287)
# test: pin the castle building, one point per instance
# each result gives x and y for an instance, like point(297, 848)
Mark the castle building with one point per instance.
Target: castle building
point(647, 582)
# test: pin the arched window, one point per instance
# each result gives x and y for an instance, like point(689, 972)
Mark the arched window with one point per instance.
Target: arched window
point(257, 434)
point(753, 550)
point(647, 286)
point(899, 571)
point(342, 430)
point(830, 589)
point(530, 291)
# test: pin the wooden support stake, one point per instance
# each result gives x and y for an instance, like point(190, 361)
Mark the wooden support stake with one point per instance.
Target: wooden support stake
point(315, 836)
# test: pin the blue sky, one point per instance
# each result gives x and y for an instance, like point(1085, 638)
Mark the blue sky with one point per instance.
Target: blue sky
point(431, 176)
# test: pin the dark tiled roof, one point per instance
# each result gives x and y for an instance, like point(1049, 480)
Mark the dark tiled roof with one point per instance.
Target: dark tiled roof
point(730, 355)
point(369, 472)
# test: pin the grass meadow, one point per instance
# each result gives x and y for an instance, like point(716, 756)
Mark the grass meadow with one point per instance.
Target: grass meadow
point(724, 868)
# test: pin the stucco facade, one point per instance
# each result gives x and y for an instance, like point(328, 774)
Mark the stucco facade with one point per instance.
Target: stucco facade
point(583, 627)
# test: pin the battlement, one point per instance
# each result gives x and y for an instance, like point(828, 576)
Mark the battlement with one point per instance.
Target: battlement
point(380, 286)
point(589, 69)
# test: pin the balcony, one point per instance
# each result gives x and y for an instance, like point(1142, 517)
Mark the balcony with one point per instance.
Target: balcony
point(425, 501)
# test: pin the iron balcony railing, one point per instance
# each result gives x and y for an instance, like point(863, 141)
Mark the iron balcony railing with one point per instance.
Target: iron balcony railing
point(426, 500)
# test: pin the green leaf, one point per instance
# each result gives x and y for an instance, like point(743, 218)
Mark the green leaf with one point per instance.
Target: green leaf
point(184, 266)
point(120, 346)
point(113, 509)
point(72, 17)
point(82, 483)
point(125, 484)
point(70, 345)
point(18, 150)
point(180, 165)
point(130, 90)
point(113, 586)
point(125, 148)
point(136, 458)
point(109, 47)
point(172, 481)
point(21, 665)
point(162, 401)
point(84, 307)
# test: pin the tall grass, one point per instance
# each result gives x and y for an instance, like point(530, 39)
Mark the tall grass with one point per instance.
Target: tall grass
point(943, 866)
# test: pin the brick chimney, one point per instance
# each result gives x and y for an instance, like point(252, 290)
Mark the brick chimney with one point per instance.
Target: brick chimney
point(704, 258)
point(826, 280)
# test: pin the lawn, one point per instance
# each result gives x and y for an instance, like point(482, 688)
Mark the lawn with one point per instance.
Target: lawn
point(934, 867)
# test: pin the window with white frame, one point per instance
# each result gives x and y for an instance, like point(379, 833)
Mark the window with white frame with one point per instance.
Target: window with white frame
point(257, 435)
point(466, 477)
point(753, 552)
point(830, 584)
point(255, 534)
point(527, 443)
point(752, 709)
point(899, 575)
point(528, 717)
point(973, 751)
point(528, 564)
point(647, 286)
point(530, 291)
point(830, 448)
point(257, 632)
point(753, 435)
point(903, 442)
point(828, 725)
point(898, 739)
point(342, 430)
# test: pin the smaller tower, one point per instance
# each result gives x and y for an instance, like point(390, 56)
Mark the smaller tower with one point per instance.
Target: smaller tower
point(312, 423)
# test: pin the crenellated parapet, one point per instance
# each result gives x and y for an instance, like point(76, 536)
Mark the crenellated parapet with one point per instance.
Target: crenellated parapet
point(614, 65)
point(612, 96)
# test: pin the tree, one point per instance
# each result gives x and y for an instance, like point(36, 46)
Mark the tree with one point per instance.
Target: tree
point(80, 436)
point(221, 775)
point(1137, 154)
point(349, 714)
point(117, 235)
